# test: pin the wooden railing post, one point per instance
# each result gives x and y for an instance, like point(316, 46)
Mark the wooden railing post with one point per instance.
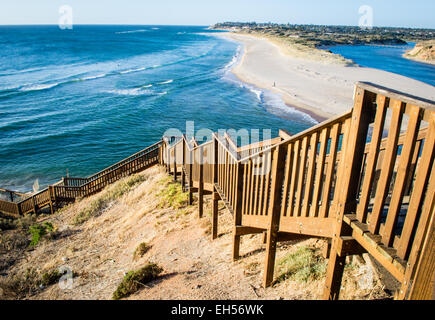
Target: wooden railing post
point(215, 213)
point(183, 169)
point(201, 183)
point(423, 286)
point(168, 159)
point(175, 162)
point(419, 275)
point(191, 177)
point(354, 141)
point(161, 153)
point(34, 204)
point(238, 210)
point(274, 210)
point(50, 192)
point(54, 195)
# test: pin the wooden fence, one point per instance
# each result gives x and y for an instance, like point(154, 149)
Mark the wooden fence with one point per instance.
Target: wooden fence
point(70, 189)
point(364, 180)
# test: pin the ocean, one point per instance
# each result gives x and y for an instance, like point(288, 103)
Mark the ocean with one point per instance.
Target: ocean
point(80, 100)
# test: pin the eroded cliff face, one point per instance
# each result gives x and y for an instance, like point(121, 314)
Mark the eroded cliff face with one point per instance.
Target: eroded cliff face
point(423, 51)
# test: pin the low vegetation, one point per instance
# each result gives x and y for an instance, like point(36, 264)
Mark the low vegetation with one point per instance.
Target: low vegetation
point(172, 195)
point(110, 194)
point(24, 222)
point(28, 283)
point(303, 265)
point(134, 280)
point(7, 224)
point(40, 230)
point(141, 250)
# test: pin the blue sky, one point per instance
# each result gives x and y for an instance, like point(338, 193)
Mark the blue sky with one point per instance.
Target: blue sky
point(411, 13)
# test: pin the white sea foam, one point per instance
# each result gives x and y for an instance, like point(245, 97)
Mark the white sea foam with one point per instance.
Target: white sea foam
point(272, 102)
point(275, 104)
point(257, 92)
point(129, 92)
point(93, 77)
point(37, 87)
point(132, 31)
point(166, 82)
point(132, 70)
point(235, 60)
point(136, 92)
point(10, 88)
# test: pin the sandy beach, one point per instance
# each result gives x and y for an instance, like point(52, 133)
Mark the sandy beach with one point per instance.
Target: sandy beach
point(321, 88)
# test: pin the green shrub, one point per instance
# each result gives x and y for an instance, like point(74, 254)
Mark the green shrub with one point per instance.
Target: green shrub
point(134, 280)
point(141, 250)
point(53, 276)
point(113, 192)
point(38, 231)
point(50, 277)
point(303, 266)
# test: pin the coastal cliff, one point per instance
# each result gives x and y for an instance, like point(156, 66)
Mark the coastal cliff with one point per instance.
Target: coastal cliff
point(102, 237)
point(423, 52)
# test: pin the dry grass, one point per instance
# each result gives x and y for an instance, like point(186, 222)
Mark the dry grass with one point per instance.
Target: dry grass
point(304, 265)
point(28, 283)
point(110, 194)
point(100, 250)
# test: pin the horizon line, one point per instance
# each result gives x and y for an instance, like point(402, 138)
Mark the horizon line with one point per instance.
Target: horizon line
point(209, 25)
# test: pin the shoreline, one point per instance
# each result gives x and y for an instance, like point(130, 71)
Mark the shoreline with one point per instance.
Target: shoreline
point(422, 52)
point(406, 56)
point(319, 88)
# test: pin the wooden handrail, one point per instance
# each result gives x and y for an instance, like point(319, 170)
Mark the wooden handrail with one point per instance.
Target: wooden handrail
point(85, 186)
point(11, 191)
point(260, 144)
point(124, 160)
point(397, 95)
point(302, 134)
point(230, 152)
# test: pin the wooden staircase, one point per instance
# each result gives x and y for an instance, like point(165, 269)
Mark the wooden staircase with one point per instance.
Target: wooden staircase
point(364, 181)
point(69, 189)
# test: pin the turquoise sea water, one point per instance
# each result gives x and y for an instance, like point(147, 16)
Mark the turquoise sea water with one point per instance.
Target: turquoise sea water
point(85, 98)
